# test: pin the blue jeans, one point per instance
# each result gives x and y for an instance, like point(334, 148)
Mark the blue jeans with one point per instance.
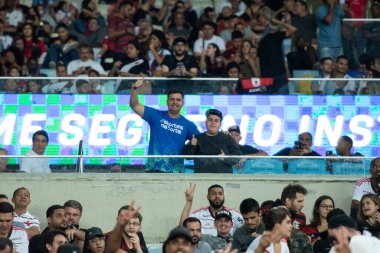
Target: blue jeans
point(332, 52)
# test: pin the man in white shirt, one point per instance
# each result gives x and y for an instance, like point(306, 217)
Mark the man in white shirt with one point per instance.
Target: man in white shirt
point(17, 235)
point(36, 165)
point(21, 200)
point(85, 62)
point(207, 36)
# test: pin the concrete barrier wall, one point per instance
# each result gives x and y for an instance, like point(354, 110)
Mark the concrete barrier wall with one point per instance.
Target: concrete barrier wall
point(162, 196)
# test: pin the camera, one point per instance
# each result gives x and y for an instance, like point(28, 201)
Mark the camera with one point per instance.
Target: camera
point(299, 145)
point(329, 152)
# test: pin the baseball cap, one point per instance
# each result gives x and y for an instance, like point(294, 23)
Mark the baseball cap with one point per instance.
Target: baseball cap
point(342, 220)
point(179, 232)
point(234, 128)
point(214, 112)
point(179, 40)
point(93, 232)
point(223, 213)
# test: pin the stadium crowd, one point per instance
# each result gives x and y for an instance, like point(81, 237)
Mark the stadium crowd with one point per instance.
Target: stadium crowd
point(277, 225)
point(238, 39)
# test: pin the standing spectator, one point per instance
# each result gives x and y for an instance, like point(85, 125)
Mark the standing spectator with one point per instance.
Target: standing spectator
point(293, 196)
point(344, 146)
point(248, 60)
point(158, 49)
point(40, 164)
point(168, 130)
point(207, 36)
point(195, 228)
point(304, 22)
point(302, 57)
point(213, 142)
point(329, 18)
point(371, 30)
point(21, 201)
point(85, 62)
point(17, 235)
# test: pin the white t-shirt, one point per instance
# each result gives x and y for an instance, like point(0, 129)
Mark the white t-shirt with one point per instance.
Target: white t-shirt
point(207, 220)
point(363, 186)
point(253, 246)
point(77, 64)
point(15, 17)
point(19, 237)
point(362, 244)
point(27, 219)
point(34, 165)
point(198, 45)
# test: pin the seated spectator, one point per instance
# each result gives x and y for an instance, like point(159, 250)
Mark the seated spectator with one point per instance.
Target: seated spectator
point(54, 239)
point(366, 185)
point(371, 30)
point(11, 87)
point(5, 40)
point(64, 12)
point(93, 33)
point(348, 87)
point(302, 147)
point(213, 142)
point(3, 160)
point(238, 7)
point(147, 10)
point(344, 146)
point(207, 36)
point(194, 226)
point(245, 149)
point(303, 57)
point(96, 86)
point(293, 197)
point(179, 240)
point(62, 49)
point(278, 223)
point(317, 229)
point(11, 57)
point(211, 64)
point(249, 62)
point(14, 17)
point(85, 62)
point(253, 225)
point(89, 11)
point(369, 215)
point(232, 70)
point(61, 85)
point(223, 225)
point(326, 66)
point(158, 49)
point(179, 26)
point(33, 47)
point(6, 245)
point(21, 201)
point(83, 86)
point(235, 46)
point(375, 66)
point(226, 33)
point(95, 241)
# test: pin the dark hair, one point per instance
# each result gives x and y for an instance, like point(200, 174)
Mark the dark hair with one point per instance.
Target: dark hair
point(311, 137)
point(4, 242)
point(342, 57)
point(6, 207)
point(231, 65)
point(209, 23)
point(214, 186)
point(43, 133)
point(374, 198)
point(291, 190)
point(189, 220)
point(334, 212)
point(50, 235)
point(325, 59)
point(249, 205)
point(85, 46)
point(372, 164)
point(137, 45)
point(3, 196)
point(19, 189)
point(80, 82)
point(73, 204)
point(275, 216)
point(161, 37)
point(136, 215)
point(50, 211)
point(316, 219)
point(61, 25)
point(265, 207)
point(175, 91)
point(348, 140)
point(302, 2)
point(125, 3)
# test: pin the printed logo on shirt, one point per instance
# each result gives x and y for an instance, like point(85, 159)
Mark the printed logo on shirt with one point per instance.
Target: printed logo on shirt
point(171, 126)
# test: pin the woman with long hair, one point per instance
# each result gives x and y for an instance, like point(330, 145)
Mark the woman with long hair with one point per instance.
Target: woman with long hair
point(33, 47)
point(158, 49)
point(369, 215)
point(211, 64)
point(248, 60)
point(317, 229)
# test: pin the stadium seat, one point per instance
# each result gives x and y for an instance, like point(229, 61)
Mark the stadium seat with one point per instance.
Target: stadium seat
point(307, 166)
point(349, 168)
point(263, 166)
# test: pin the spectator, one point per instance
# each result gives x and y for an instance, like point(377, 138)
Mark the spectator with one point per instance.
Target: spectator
point(33, 47)
point(195, 227)
point(270, 49)
point(304, 22)
point(21, 201)
point(40, 164)
point(85, 62)
point(65, 12)
point(230, 26)
point(93, 34)
point(89, 11)
point(329, 17)
point(237, 6)
point(73, 213)
point(14, 16)
point(211, 64)
point(317, 229)
point(344, 146)
point(54, 239)
point(206, 37)
point(293, 196)
point(17, 235)
point(371, 30)
point(213, 142)
point(302, 57)
point(366, 185)
point(223, 225)
point(253, 225)
point(348, 87)
point(168, 130)
point(179, 26)
point(147, 10)
point(10, 58)
point(302, 147)
point(231, 52)
point(3, 160)
point(249, 62)
point(5, 40)
point(245, 149)
point(6, 245)
point(278, 223)
point(158, 49)
point(326, 68)
point(179, 240)
point(3, 198)
point(179, 63)
point(215, 197)
point(82, 86)
point(95, 241)
point(232, 70)
point(55, 216)
point(60, 86)
point(369, 216)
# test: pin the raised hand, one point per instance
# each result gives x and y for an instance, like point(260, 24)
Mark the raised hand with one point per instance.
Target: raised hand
point(138, 83)
point(189, 193)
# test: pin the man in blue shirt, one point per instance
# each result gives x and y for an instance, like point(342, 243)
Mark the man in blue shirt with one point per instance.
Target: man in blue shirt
point(168, 130)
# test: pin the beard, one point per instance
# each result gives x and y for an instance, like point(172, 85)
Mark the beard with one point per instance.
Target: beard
point(216, 206)
point(194, 240)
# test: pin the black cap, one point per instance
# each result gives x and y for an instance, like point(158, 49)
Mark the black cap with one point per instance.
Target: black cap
point(69, 248)
point(179, 232)
point(214, 112)
point(93, 232)
point(234, 128)
point(223, 213)
point(342, 220)
point(237, 35)
point(178, 40)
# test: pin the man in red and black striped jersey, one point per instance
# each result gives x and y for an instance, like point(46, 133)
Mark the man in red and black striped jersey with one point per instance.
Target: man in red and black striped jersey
point(293, 196)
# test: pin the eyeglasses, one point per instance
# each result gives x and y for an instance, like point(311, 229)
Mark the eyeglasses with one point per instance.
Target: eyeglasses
point(97, 239)
point(133, 224)
point(327, 206)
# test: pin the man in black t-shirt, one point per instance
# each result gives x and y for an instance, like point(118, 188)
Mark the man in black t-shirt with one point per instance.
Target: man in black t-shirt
point(245, 149)
point(302, 147)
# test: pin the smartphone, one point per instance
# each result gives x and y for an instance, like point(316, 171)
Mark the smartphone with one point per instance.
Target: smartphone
point(180, 64)
point(328, 152)
point(298, 145)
